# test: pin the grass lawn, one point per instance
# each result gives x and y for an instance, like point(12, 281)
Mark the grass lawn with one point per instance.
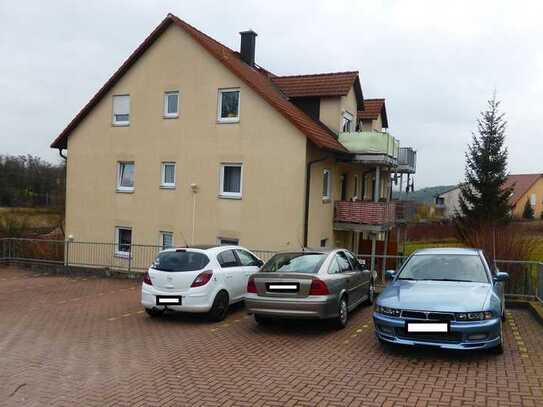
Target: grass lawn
point(35, 218)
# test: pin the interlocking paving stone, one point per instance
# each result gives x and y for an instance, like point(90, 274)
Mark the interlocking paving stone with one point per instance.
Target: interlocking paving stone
point(64, 344)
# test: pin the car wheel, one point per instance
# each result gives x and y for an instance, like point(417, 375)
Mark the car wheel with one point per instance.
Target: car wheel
point(343, 314)
point(219, 309)
point(154, 312)
point(262, 320)
point(371, 293)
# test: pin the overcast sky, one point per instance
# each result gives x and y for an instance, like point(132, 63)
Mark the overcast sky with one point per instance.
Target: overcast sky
point(435, 62)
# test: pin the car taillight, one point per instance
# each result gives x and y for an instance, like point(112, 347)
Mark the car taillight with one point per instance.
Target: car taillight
point(318, 287)
point(202, 279)
point(147, 279)
point(251, 286)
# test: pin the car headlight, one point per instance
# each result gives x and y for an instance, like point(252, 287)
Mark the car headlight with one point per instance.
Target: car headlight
point(474, 316)
point(393, 312)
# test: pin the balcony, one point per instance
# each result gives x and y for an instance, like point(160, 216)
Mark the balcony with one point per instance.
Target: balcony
point(371, 147)
point(407, 161)
point(364, 215)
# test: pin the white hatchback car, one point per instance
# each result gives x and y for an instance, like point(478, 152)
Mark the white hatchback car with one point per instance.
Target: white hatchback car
point(204, 279)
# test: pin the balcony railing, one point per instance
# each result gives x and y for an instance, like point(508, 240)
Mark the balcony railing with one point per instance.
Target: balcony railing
point(370, 143)
point(407, 160)
point(365, 212)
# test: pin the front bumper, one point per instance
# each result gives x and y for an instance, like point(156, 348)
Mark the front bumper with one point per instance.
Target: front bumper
point(315, 307)
point(462, 336)
point(192, 300)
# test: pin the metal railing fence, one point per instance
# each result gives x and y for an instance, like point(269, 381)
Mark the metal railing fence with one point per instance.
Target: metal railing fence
point(526, 277)
point(86, 254)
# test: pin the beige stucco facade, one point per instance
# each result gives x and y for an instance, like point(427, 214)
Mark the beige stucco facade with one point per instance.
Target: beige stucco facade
point(372, 125)
point(269, 215)
point(270, 212)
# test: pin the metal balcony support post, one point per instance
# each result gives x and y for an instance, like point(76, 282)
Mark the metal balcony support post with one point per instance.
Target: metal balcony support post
point(372, 259)
point(385, 251)
point(356, 243)
point(377, 191)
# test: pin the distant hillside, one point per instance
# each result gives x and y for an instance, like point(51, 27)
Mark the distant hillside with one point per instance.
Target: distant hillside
point(424, 195)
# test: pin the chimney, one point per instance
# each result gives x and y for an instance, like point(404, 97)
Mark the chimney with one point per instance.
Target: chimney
point(247, 49)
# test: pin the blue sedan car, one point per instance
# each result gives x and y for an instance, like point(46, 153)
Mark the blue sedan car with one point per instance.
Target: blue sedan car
point(446, 298)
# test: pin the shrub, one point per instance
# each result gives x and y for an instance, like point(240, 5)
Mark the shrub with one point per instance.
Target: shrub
point(13, 226)
point(528, 212)
point(510, 242)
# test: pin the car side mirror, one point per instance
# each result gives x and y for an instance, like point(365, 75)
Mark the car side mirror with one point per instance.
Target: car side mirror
point(259, 263)
point(501, 276)
point(390, 274)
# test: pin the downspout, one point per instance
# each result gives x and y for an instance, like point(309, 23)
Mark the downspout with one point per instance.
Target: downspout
point(307, 190)
point(62, 155)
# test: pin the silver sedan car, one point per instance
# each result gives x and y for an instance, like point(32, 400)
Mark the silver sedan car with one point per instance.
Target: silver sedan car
point(309, 284)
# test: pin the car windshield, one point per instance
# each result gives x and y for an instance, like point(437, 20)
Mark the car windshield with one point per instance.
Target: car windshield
point(180, 261)
point(295, 263)
point(444, 267)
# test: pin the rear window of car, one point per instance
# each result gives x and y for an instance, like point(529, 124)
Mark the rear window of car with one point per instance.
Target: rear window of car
point(180, 261)
point(295, 263)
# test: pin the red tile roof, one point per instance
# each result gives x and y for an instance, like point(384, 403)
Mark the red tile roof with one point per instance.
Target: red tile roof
point(255, 78)
point(324, 84)
point(372, 109)
point(520, 183)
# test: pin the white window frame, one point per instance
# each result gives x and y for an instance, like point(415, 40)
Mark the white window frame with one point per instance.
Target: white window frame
point(326, 197)
point(161, 240)
point(114, 120)
point(121, 188)
point(169, 115)
point(533, 199)
point(226, 194)
point(119, 253)
point(163, 183)
point(227, 241)
point(219, 106)
point(344, 117)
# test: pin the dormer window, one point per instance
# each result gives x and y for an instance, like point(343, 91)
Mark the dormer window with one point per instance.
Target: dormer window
point(347, 122)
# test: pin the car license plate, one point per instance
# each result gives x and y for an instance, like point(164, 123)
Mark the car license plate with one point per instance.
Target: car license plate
point(283, 287)
point(168, 300)
point(427, 327)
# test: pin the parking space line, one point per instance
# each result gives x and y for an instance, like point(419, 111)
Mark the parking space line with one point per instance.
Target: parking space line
point(521, 346)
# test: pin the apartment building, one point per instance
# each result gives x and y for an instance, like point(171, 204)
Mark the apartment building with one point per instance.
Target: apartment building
point(192, 142)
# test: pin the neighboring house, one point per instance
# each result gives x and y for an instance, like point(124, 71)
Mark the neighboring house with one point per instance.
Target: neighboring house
point(447, 203)
point(526, 188)
point(192, 142)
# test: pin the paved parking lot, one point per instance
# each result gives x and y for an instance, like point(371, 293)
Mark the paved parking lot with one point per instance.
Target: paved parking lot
point(86, 341)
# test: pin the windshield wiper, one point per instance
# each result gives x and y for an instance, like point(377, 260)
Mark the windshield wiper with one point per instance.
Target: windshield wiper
point(447, 279)
point(407, 278)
